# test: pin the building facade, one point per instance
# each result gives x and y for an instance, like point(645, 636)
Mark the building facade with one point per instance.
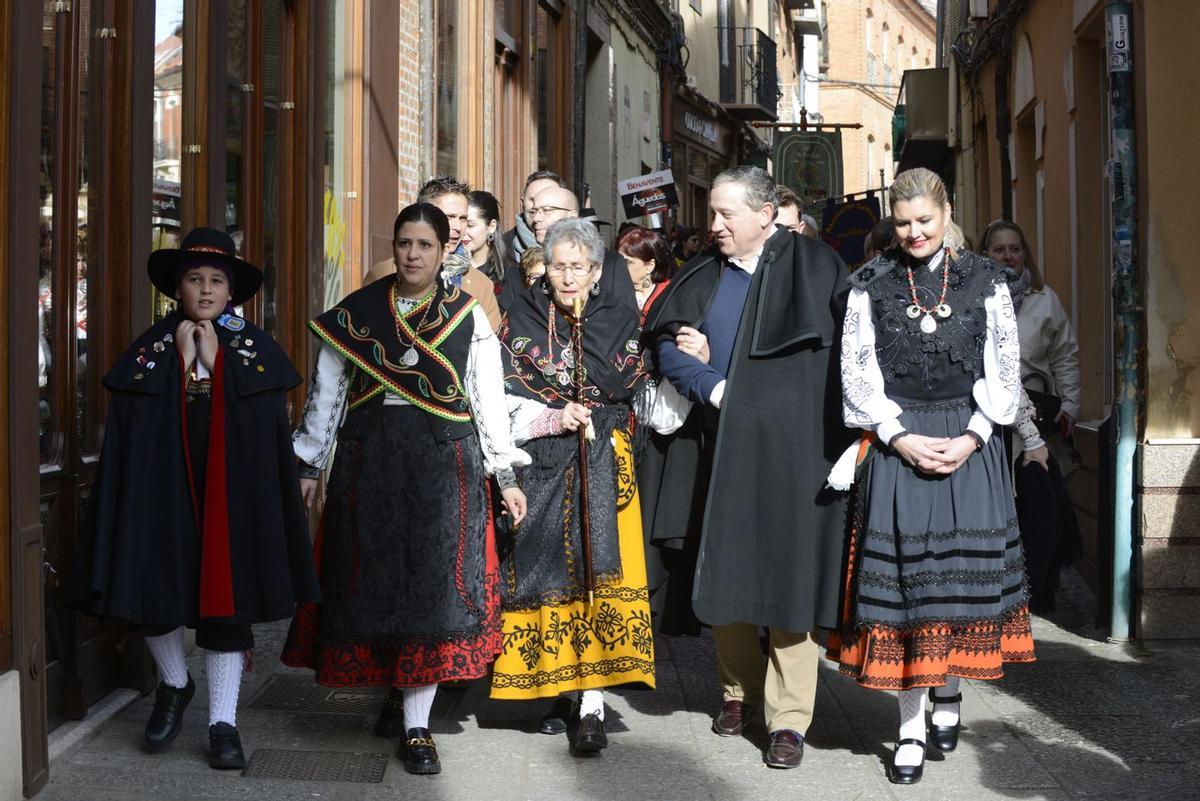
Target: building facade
point(871, 43)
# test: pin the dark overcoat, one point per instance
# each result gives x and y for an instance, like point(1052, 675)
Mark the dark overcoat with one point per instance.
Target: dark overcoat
point(139, 555)
point(772, 534)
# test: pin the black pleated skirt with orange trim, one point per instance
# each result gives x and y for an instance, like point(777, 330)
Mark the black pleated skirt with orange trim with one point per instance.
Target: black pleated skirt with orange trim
point(935, 578)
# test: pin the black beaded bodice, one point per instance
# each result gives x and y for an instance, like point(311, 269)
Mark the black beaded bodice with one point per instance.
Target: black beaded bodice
point(946, 362)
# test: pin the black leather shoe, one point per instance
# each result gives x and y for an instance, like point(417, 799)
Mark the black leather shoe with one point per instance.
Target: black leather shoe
point(590, 737)
point(945, 738)
point(419, 753)
point(556, 718)
point(167, 718)
point(906, 774)
point(786, 749)
point(390, 721)
point(225, 748)
point(731, 720)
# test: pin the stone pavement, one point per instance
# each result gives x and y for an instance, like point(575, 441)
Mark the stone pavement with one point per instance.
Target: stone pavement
point(1089, 720)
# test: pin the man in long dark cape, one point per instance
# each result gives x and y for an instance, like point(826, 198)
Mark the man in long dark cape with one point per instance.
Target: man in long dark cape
point(749, 331)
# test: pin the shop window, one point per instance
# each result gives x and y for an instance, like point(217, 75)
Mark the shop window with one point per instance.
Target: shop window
point(168, 133)
point(447, 60)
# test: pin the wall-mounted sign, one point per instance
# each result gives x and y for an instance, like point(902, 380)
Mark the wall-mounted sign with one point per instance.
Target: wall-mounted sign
point(810, 164)
point(694, 125)
point(648, 194)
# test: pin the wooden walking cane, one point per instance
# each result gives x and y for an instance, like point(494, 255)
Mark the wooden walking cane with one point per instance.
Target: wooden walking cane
point(585, 505)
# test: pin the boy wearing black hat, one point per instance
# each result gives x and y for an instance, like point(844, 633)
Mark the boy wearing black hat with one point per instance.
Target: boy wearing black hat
point(197, 519)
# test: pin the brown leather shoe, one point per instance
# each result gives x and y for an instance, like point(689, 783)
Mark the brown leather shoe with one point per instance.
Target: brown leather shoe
point(731, 720)
point(786, 749)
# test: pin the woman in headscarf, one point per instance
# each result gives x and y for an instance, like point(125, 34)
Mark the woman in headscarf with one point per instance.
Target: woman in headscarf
point(559, 636)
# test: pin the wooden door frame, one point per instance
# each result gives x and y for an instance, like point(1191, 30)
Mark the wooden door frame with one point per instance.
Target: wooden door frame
point(23, 38)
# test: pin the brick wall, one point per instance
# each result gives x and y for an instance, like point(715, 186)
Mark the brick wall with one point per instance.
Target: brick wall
point(409, 130)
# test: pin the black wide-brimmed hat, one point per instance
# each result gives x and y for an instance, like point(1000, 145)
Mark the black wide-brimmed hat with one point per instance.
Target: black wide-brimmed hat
point(204, 247)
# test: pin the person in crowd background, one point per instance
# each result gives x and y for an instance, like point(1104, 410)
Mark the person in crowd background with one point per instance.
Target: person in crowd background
point(930, 364)
point(687, 244)
point(533, 265)
point(451, 196)
point(649, 261)
point(1050, 375)
point(882, 238)
point(482, 237)
point(792, 218)
point(407, 554)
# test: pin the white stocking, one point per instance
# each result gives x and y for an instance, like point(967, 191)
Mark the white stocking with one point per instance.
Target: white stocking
point(912, 725)
point(946, 714)
point(591, 702)
point(224, 683)
point(418, 702)
point(167, 650)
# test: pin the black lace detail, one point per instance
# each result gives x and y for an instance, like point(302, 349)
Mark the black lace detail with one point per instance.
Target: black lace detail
point(909, 356)
point(942, 578)
point(942, 536)
point(937, 406)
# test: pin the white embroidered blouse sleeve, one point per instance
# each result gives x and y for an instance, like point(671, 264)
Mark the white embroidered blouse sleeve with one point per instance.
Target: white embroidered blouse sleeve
point(324, 409)
point(1026, 425)
point(484, 384)
point(865, 403)
point(997, 394)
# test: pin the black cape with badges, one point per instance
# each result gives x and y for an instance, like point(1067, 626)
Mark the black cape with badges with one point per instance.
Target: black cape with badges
point(772, 535)
point(140, 556)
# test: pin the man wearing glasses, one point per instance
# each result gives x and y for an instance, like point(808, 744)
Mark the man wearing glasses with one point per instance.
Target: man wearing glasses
point(557, 203)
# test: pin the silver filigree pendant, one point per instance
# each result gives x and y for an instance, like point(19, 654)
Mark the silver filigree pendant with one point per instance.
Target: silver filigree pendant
point(928, 324)
point(549, 369)
point(913, 311)
point(943, 310)
point(409, 357)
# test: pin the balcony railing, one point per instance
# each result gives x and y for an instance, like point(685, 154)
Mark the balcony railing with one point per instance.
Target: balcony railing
point(749, 73)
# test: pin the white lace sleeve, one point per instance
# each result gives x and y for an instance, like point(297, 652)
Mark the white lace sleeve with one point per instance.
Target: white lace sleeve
point(324, 409)
point(865, 403)
point(484, 384)
point(1025, 424)
point(997, 394)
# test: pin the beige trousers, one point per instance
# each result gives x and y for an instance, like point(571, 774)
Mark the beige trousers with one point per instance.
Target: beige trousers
point(785, 682)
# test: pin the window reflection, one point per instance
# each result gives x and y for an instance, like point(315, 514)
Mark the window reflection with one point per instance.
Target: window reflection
point(50, 439)
point(447, 87)
point(168, 132)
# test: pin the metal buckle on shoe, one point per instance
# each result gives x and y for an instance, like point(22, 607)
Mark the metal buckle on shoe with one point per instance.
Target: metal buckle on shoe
point(414, 742)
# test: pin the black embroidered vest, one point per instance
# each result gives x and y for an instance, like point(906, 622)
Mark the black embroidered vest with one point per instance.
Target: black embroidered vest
point(367, 329)
point(944, 364)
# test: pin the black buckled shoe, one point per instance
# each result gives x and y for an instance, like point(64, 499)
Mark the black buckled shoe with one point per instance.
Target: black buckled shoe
point(390, 721)
point(225, 748)
point(590, 737)
point(945, 738)
point(556, 718)
point(167, 718)
point(906, 774)
point(419, 752)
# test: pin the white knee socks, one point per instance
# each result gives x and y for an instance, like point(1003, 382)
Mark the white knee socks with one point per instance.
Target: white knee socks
point(591, 702)
point(946, 714)
point(167, 650)
point(418, 701)
point(224, 682)
point(912, 725)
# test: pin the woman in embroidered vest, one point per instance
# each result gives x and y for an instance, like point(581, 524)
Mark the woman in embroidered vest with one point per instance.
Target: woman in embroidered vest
point(930, 364)
point(408, 383)
point(554, 641)
point(196, 519)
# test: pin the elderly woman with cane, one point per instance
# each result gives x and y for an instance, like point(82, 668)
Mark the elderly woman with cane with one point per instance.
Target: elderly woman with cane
point(576, 615)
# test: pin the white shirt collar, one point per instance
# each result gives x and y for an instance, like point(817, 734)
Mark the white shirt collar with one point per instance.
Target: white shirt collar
point(935, 261)
point(748, 264)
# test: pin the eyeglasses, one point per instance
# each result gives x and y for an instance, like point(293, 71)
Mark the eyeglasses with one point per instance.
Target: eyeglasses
point(577, 270)
point(546, 210)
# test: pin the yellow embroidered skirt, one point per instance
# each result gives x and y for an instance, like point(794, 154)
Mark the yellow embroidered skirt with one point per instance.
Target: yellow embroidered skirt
point(554, 649)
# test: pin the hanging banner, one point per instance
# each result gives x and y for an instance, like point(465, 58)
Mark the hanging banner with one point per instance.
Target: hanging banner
point(810, 164)
point(648, 194)
point(166, 202)
point(845, 227)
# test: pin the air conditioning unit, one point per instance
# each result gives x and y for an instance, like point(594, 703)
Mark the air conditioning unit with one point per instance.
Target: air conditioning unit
point(978, 9)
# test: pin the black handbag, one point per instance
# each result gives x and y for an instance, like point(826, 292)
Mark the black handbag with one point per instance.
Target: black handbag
point(1046, 408)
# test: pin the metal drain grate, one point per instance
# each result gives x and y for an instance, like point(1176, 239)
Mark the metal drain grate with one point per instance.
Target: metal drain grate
point(299, 694)
point(316, 766)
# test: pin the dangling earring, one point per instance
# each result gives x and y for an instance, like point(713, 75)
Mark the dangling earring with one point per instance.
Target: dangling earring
point(647, 283)
point(594, 291)
point(491, 238)
point(545, 288)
